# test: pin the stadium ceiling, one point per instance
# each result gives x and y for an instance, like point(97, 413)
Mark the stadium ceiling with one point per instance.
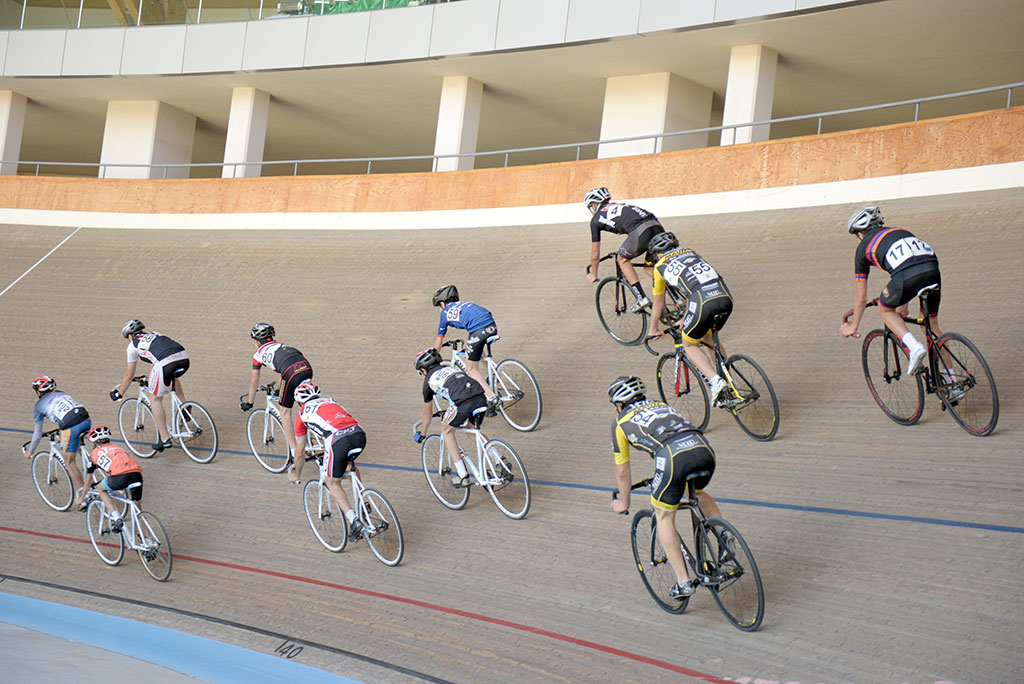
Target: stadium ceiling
point(854, 56)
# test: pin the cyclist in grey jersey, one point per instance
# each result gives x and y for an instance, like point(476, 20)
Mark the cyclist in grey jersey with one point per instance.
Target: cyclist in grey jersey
point(71, 418)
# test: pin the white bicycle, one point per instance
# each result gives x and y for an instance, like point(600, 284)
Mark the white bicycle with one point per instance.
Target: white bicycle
point(381, 529)
point(190, 424)
point(511, 380)
point(267, 439)
point(141, 531)
point(498, 469)
point(50, 473)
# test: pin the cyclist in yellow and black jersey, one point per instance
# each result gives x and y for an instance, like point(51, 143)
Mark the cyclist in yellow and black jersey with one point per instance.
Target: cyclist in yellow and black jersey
point(678, 449)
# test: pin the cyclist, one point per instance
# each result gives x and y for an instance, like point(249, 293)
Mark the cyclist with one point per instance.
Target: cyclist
point(170, 361)
point(289, 362)
point(479, 326)
point(119, 470)
point(706, 297)
point(466, 400)
point(344, 440)
point(638, 225)
point(677, 448)
point(912, 266)
point(73, 421)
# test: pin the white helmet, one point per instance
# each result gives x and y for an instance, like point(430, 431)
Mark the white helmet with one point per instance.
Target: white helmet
point(306, 391)
point(625, 388)
point(596, 196)
point(865, 219)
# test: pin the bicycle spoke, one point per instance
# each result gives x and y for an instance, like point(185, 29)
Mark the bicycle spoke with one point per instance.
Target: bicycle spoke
point(966, 385)
point(899, 395)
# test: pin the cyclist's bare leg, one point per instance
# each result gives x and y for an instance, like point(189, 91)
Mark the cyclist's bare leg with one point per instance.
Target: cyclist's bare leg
point(473, 368)
point(710, 342)
point(628, 272)
point(289, 428)
point(893, 321)
point(160, 416)
point(708, 506)
point(448, 433)
point(699, 359)
point(670, 542)
point(338, 494)
point(70, 460)
point(179, 390)
point(108, 501)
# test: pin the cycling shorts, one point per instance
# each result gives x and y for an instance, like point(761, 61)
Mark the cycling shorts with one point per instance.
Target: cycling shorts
point(472, 407)
point(73, 436)
point(161, 378)
point(673, 463)
point(636, 241)
point(905, 285)
point(701, 309)
point(115, 483)
point(293, 376)
point(475, 341)
point(339, 451)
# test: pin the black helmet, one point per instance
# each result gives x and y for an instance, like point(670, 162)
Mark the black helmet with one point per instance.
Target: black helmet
point(625, 389)
point(131, 327)
point(428, 358)
point(262, 331)
point(447, 293)
point(662, 242)
point(865, 219)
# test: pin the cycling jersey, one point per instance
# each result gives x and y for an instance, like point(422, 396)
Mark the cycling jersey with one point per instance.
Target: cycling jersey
point(684, 270)
point(279, 357)
point(114, 460)
point(451, 384)
point(464, 316)
point(61, 409)
point(323, 416)
point(151, 347)
point(890, 249)
point(621, 219)
point(647, 425)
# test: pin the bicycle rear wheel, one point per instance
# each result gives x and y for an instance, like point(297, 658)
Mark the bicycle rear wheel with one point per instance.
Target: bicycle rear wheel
point(199, 434)
point(325, 516)
point(898, 394)
point(614, 300)
point(520, 395)
point(109, 545)
point(757, 408)
point(52, 481)
point(381, 529)
point(506, 479)
point(970, 396)
point(438, 468)
point(652, 564)
point(138, 427)
point(684, 389)
point(155, 547)
point(267, 441)
point(736, 583)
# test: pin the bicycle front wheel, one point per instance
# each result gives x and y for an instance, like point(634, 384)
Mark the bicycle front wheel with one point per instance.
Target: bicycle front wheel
point(899, 394)
point(381, 529)
point(506, 479)
point(138, 427)
point(966, 386)
point(684, 389)
point(439, 470)
point(756, 407)
point(614, 300)
point(52, 481)
point(198, 433)
point(109, 545)
point(735, 582)
point(652, 563)
point(154, 547)
point(520, 395)
point(267, 441)
point(325, 516)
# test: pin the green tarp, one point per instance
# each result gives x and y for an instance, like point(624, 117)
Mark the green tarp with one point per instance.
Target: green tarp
point(341, 6)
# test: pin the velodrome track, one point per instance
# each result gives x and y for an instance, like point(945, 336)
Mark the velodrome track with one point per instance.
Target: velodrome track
point(889, 554)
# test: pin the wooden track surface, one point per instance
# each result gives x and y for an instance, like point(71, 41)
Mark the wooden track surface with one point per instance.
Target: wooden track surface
point(853, 593)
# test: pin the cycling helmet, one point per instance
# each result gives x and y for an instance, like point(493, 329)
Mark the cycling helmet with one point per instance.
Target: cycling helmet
point(100, 433)
point(596, 196)
point(625, 388)
point(306, 391)
point(447, 293)
point(662, 242)
point(43, 384)
point(131, 327)
point(428, 358)
point(865, 219)
point(262, 331)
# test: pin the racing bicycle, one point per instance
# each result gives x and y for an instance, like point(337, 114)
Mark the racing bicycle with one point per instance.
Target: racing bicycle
point(615, 300)
point(50, 472)
point(140, 531)
point(267, 439)
point(190, 424)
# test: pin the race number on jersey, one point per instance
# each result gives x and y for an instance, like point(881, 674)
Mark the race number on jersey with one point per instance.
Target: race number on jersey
point(904, 249)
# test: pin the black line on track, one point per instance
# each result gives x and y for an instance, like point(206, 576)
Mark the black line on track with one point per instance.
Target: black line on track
point(237, 625)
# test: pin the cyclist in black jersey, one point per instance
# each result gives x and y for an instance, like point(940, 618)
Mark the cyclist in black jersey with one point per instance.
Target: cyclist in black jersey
point(638, 225)
point(912, 266)
point(289, 362)
point(678, 449)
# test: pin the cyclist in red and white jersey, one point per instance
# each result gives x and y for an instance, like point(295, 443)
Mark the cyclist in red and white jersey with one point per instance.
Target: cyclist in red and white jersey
point(289, 362)
point(343, 439)
point(170, 361)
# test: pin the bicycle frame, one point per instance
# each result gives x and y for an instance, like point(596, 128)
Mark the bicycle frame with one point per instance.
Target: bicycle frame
point(509, 395)
point(145, 399)
point(56, 453)
point(478, 469)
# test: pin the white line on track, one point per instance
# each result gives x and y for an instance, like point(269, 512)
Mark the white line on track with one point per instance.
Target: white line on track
point(41, 260)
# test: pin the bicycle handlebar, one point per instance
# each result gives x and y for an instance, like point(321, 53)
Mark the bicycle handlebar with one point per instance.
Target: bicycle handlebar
point(454, 343)
point(874, 302)
point(636, 485)
point(141, 379)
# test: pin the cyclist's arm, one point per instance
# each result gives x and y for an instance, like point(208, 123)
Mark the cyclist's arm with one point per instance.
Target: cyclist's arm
point(859, 304)
point(623, 481)
point(37, 434)
point(437, 342)
point(253, 384)
point(428, 413)
point(656, 309)
point(595, 259)
point(129, 373)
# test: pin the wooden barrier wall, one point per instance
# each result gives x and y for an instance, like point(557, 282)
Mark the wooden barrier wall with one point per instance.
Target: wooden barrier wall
point(937, 144)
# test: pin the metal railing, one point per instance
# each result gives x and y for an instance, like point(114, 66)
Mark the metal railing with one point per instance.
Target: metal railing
point(505, 153)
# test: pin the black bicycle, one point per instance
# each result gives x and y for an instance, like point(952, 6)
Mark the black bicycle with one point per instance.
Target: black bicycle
point(723, 562)
point(615, 300)
point(955, 371)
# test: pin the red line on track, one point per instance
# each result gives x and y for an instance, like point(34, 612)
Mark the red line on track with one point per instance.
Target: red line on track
point(423, 604)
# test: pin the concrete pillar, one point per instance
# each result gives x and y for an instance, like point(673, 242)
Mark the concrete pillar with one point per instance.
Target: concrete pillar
point(749, 92)
point(247, 132)
point(146, 132)
point(12, 123)
point(647, 104)
point(458, 122)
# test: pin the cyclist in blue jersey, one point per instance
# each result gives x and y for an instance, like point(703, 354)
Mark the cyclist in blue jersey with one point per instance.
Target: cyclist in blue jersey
point(479, 325)
point(73, 421)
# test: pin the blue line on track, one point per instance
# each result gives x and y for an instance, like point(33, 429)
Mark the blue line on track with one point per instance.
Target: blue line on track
point(738, 502)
